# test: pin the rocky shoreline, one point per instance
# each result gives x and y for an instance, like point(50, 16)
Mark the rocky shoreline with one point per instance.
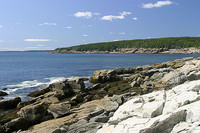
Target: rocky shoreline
point(147, 99)
point(190, 50)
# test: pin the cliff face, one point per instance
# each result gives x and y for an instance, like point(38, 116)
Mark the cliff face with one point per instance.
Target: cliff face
point(148, 99)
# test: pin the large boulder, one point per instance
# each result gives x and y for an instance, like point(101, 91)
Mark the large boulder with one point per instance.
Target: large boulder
point(10, 104)
point(102, 76)
point(34, 113)
point(16, 124)
point(62, 89)
point(59, 109)
point(77, 84)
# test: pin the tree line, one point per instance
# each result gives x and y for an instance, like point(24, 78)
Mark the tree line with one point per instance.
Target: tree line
point(169, 43)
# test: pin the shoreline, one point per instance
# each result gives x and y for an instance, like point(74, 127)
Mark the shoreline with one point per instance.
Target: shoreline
point(190, 50)
point(72, 105)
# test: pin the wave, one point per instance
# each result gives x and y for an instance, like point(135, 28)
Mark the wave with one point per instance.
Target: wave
point(24, 88)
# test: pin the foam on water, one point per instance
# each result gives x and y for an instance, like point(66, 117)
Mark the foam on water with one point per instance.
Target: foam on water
point(25, 87)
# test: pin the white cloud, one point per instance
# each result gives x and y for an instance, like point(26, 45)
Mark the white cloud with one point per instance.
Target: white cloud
point(157, 4)
point(37, 40)
point(86, 14)
point(111, 17)
point(41, 45)
point(85, 35)
point(83, 14)
point(125, 13)
point(135, 18)
point(122, 33)
point(53, 24)
point(1, 41)
point(68, 27)
point(1, 26)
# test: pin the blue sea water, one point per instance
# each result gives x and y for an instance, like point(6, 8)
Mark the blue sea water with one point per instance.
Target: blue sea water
point(24, 72)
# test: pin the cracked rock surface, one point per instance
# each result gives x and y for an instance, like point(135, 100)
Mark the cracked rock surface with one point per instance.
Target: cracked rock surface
point(175, 111)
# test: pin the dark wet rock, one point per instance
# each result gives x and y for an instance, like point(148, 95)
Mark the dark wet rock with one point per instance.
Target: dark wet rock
point(2, 130)
point(88, 98)
point(10, 104)
point(102, 93)
point(78, 98)
point(60, 109)
point(3, 93)
point(17, 124)
point(39, 92)
point(106, 87)
point(94, 87)
point(4, 89)
point(7, 116)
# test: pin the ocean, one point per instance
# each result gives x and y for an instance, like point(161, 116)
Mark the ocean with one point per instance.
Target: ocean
point(25, 72)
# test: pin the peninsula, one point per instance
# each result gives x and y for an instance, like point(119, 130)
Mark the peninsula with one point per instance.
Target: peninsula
point(171, 45)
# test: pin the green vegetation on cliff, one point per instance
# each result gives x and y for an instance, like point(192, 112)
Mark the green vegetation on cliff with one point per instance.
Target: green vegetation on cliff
point(170, 43)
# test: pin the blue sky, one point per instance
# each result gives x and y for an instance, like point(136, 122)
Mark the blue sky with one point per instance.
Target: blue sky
point(48, 24)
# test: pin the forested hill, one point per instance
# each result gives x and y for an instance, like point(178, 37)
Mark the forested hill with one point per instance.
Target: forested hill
point(169, 43)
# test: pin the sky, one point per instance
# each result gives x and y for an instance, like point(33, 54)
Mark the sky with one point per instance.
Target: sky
point(50, 24)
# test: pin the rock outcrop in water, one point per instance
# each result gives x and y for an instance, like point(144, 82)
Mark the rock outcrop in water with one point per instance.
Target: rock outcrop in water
point(147, 99)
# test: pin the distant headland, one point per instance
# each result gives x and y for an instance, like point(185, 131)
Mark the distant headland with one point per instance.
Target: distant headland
point(170, 45)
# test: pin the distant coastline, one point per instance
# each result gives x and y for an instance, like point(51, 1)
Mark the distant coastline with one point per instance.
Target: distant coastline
point(172, 45)
point(191, 50)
